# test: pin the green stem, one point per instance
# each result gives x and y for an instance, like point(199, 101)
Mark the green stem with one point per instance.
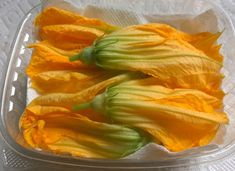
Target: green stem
point(85, 55)
point(81, 106)
point(74, 58)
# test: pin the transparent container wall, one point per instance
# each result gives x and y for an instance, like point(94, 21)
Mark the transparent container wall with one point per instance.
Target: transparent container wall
point(15, 90)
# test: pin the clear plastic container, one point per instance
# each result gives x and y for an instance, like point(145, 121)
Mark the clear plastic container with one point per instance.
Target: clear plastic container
point(15, 89)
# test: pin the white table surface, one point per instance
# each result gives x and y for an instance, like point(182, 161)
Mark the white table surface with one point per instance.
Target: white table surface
point(11, 12)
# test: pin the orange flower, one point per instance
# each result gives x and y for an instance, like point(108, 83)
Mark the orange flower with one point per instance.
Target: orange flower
point(174, 58)
point(180, 119)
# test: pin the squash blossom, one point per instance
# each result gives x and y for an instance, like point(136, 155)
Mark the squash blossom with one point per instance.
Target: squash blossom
point(179, 118)
point(175, 58)
point(62, 131)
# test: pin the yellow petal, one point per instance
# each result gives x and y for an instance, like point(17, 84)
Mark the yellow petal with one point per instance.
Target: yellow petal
point(68, 100)
point(70, 33)
point(204, 41)
point(63, 49)
point(210, 83)
point(45, 59)
point(207, 43)
point(164, 91)
point(56, 16)
point(67, 81)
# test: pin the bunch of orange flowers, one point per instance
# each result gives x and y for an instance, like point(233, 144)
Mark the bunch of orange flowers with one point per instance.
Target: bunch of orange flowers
point(107, 91)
